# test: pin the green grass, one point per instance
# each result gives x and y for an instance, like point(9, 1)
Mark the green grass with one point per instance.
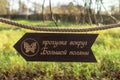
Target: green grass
point(106, 50)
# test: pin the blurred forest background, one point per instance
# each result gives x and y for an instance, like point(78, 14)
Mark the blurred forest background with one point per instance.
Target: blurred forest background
point(76, 11)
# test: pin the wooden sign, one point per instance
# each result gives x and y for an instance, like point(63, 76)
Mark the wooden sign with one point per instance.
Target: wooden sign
point(59, 47)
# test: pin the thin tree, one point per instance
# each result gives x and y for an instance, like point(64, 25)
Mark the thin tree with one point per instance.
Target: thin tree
point(112, 17)
point(51, 14)
point(84, 10)
point(98, 4)
point(27, 11)
point(89, 11)
point(20, 6)
point(43, 10)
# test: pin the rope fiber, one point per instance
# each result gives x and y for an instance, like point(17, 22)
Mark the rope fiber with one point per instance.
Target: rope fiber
point(48, 29)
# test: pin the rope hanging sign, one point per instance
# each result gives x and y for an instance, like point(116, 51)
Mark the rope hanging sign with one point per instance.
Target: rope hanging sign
point(59, 47)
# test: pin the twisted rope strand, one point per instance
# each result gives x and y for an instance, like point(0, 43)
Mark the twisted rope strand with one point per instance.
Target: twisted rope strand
point(104, 27)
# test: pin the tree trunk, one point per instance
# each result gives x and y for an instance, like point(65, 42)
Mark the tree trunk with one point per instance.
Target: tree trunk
point(51, 14)
point(84, 14)
point(90, 12)
point(89, 16)
point(43, 10)
point(112, 17)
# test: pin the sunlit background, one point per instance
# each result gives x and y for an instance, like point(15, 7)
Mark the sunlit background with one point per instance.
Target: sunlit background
point(60, 14)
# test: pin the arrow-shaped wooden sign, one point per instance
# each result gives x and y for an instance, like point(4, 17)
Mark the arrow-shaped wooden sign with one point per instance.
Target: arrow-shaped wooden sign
point(59, 47)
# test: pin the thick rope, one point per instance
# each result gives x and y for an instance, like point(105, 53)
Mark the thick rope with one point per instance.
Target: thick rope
point(48, 29)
